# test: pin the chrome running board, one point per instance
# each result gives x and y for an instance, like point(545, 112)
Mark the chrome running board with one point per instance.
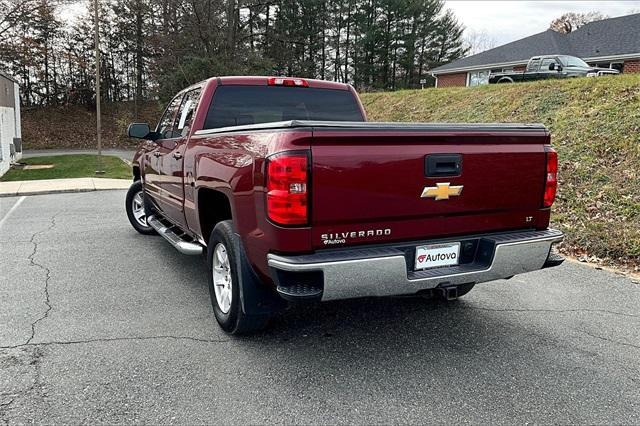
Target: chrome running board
point(168, 232)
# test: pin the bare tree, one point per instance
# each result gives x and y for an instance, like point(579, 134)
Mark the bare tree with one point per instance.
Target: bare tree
point(478, 41)
point(13, 12)
point(571, 21)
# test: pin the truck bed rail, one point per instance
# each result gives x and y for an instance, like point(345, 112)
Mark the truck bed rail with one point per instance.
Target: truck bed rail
point(380, 126)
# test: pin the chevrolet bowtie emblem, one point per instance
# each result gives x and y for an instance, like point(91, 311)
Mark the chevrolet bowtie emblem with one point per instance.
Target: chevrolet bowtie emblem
point(442, 191)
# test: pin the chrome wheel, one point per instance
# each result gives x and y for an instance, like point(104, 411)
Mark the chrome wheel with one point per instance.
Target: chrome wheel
point(137, 207)
point(222, 278)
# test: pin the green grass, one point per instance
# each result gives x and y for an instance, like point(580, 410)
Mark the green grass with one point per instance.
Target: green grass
point(70, 166)
point(595, 126)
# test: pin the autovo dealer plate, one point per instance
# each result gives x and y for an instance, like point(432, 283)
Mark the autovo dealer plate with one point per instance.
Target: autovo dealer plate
point(437, 255)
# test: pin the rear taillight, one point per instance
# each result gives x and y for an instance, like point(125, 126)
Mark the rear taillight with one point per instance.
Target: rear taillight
point(287, 188)
point(282, 81)
point(551, 177)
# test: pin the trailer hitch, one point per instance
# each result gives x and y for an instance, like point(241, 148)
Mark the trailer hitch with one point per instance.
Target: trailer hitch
point(448, 292)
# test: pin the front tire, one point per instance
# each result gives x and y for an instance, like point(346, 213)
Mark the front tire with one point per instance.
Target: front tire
point(137, 209)
point(224, 260)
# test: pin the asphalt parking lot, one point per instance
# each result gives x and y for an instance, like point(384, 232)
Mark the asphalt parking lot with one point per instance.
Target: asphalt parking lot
point(102, 325)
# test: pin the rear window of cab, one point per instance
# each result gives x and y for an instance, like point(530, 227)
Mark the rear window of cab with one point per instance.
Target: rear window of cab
point(243, 105)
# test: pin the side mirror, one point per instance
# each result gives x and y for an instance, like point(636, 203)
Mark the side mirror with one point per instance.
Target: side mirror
point(552, 66)
point(141, 131)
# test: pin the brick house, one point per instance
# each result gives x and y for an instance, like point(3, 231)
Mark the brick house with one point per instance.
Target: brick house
point(610, 43)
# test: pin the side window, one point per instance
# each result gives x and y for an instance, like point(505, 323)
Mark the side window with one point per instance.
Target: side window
point(187, 111)
point(533, 65)
point(544, 66)
point(165, 126)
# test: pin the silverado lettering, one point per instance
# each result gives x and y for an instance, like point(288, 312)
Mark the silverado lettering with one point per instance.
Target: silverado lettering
point(267, 177)
point(357, 234)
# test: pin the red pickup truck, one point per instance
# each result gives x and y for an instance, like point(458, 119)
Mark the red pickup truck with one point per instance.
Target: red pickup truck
point(295, 197)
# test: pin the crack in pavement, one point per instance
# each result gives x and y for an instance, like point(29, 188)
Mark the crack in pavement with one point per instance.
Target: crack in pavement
point(4, 407)
point(598, 311)
point(114, 339)
point(47, 271)
point(606, 339)
point(8, 403)
point(36, 385)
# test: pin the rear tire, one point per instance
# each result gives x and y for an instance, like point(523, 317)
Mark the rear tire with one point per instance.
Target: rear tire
point(225, 286)
point(137, 210)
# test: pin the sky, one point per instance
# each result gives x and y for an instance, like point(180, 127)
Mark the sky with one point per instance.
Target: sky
point(506, 21)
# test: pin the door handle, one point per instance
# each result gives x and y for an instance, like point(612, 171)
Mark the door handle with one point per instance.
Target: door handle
point(440, 165)
point(177, 155)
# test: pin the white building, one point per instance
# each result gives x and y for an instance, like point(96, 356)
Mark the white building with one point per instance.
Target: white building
point(10, 131)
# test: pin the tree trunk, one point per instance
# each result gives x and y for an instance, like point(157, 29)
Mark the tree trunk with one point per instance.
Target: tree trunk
point(336, 63)
point(387, 48)
point(346, 46)
point(324, 39)
point(46, 71)
point(355, 60)
point(232, 23)
point(251, 42)
point(139, 56)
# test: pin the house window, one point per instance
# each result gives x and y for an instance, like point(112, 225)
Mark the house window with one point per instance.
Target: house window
point(478, 78)
point(611, 65)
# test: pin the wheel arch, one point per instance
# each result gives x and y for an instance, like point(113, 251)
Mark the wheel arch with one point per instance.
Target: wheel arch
point(213, 207)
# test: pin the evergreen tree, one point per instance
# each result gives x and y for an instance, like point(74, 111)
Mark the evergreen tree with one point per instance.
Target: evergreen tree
point(153, 48)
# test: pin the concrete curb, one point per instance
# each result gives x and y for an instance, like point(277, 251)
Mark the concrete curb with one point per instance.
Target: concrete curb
point(124, 153)
point(55, 186)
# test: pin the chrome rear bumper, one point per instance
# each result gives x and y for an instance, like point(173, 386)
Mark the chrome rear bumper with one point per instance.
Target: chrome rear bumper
point(387, 270)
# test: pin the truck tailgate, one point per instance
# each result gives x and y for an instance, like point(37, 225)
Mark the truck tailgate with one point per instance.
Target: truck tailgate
point(368, 183)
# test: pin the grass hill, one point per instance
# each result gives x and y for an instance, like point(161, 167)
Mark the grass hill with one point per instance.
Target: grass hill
point(74, 126)
point(595, 126)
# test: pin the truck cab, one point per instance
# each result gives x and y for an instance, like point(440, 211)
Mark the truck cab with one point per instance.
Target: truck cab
point(551, 66)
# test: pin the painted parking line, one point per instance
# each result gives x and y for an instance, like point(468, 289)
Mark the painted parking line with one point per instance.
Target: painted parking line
point(11, 210)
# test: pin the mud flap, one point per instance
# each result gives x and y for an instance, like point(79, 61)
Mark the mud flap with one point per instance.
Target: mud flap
point(256, 298)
